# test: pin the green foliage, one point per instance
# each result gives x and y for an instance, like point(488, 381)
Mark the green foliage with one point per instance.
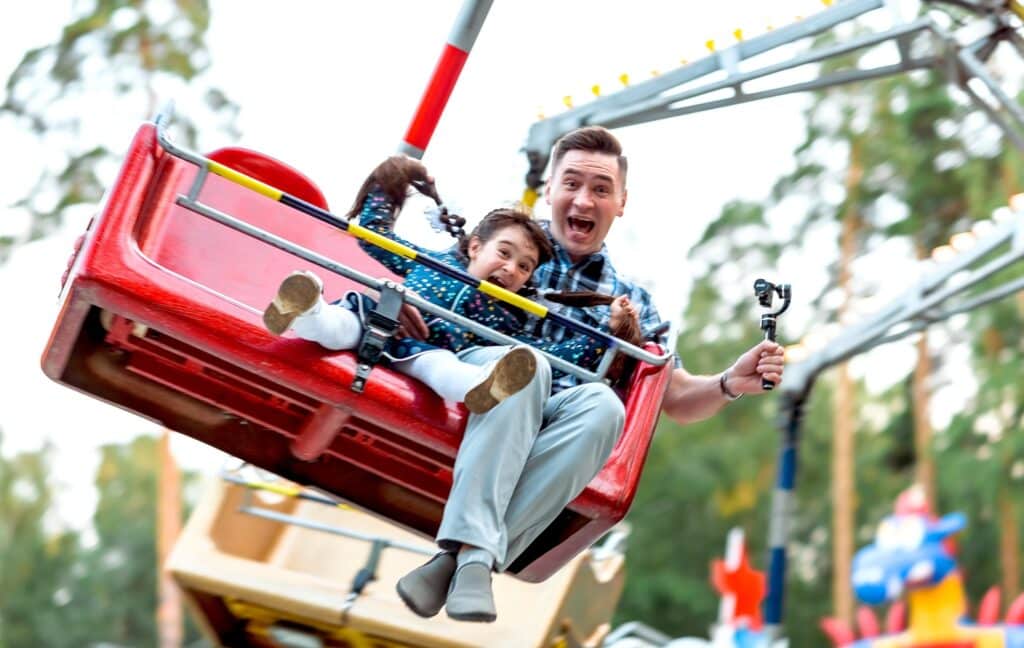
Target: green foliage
point(35, 562)
point(61, 590)
point(115, 51)
point(922, 176)
point(115, 595)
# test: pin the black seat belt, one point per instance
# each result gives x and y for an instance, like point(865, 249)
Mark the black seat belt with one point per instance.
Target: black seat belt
point(381, 325)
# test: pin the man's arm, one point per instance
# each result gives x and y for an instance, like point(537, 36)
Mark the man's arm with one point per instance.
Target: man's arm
point(693, 398)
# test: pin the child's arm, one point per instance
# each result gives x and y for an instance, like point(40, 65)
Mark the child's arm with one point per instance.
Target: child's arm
point(379, 215)
point(381, 198)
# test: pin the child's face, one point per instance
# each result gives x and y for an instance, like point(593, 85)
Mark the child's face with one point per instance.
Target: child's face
point(507, 259)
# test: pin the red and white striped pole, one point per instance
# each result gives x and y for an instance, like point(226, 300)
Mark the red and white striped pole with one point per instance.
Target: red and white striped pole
point(449, 66)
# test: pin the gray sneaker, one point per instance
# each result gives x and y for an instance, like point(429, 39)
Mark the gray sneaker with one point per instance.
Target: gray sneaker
point(470, 597)
point(297, 294)
point(510, 374)
point(423, 590)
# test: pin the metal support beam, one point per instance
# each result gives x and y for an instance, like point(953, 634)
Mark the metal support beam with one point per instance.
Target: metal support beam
point(544, 133)
point(635, 113)
point(928, 301)
point(932, 299)
point(1011, 116)
point(959, 55)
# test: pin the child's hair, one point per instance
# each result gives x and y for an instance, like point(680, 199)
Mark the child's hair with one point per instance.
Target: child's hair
point(393, 177)
point(497, 220)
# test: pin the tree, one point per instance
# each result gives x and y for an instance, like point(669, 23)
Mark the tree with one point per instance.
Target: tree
point(65, 588)
point(36, 562)
point(915, 172)
point(114, 598)
point(702, 479)
point(125, 53)
point(910, 171)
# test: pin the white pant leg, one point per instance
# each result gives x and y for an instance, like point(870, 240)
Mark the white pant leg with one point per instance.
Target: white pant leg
point(332, 326)
point(442, 371)
point(493, 452)
point(580, 429)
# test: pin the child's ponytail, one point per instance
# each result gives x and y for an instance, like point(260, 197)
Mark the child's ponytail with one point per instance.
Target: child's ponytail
point(393, 177)
point(627, 330)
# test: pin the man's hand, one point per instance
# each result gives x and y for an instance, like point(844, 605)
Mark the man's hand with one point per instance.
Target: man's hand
point(765, 360)
point(411, 324)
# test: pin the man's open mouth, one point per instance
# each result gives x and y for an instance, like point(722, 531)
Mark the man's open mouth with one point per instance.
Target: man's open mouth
point(580, 225)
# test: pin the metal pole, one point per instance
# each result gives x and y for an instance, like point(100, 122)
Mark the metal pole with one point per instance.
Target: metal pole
point(783, 504)
point(442, 82)
point(914, 310)
point(170, 621)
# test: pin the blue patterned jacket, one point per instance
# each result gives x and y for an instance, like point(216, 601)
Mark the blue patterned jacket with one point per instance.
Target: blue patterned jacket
point(379, 215)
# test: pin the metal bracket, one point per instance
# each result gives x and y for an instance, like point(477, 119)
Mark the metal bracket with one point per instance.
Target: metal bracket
point(381, 325)
point(366, 574)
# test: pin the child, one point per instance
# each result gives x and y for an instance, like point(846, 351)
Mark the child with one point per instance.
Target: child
point(505, 248)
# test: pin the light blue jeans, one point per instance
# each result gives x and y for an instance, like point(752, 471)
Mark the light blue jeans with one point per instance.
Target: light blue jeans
point(522, 462)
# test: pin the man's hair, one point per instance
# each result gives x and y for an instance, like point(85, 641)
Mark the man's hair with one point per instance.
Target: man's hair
point(593, 139)
point(499, 219)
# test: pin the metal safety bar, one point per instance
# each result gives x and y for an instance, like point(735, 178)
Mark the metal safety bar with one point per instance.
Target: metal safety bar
point(364, 575)
point(206, 166)
point(286, 490)
point(249, 508)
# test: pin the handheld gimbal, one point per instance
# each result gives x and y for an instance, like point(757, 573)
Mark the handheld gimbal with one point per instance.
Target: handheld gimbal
point(764, 290)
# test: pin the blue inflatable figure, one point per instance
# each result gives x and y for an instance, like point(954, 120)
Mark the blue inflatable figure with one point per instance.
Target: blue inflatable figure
point(913, 556)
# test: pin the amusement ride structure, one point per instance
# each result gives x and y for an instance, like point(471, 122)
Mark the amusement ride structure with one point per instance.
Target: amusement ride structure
point(157, 319)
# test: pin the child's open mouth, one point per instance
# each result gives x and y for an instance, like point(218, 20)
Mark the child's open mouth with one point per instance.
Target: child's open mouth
point(497, 281)
point(579, 225)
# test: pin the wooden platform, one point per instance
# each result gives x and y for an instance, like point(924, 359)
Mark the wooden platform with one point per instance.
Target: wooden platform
point(247, 578)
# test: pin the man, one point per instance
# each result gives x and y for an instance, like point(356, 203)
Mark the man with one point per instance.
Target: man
point(522, 462)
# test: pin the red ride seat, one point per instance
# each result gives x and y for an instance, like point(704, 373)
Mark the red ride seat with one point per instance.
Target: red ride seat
point(161, 316)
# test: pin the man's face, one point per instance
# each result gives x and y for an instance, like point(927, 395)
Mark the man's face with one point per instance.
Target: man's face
point(586, 195)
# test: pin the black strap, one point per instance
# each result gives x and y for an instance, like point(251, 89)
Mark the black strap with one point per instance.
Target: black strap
point(366, 574)
point(381, 324)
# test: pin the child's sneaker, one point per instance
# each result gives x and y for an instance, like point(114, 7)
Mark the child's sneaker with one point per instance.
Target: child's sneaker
point(298, 294)
point(511, 373)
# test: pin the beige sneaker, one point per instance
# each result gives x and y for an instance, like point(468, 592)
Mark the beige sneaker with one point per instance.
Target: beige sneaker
point(510, 374)
point(297, 294)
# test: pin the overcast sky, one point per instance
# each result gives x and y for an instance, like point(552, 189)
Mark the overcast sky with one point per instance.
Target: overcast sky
point(330, 88)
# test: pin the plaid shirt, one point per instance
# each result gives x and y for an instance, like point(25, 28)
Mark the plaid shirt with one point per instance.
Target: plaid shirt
point(597, 273)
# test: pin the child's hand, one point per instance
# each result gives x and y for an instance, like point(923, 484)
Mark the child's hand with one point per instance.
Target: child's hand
point(397, 173)
point(622, 312)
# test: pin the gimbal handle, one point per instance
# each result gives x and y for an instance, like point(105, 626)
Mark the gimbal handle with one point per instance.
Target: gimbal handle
point(763, 290)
